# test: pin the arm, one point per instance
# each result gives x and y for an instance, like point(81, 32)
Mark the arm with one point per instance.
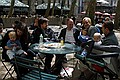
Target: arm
point(9, 46)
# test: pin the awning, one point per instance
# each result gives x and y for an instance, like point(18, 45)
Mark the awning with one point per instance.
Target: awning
point(103, 1)
point(57, 6)
point(8, 3)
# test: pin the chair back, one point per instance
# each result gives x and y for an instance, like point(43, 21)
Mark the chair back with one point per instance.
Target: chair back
point(34, 70)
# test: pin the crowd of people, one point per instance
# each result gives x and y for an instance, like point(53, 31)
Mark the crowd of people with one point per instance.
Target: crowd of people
point(18, 40)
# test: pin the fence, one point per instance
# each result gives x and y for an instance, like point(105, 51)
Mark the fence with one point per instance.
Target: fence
point(9, 21)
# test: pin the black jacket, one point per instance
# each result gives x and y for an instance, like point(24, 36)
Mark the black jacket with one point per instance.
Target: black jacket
point(47, 33)
point(76, 33)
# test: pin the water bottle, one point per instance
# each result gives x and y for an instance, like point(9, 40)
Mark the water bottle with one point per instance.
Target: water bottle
point(41, 40)
point(62, 41)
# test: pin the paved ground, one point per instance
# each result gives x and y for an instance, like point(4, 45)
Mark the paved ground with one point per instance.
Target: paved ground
point(70, 64)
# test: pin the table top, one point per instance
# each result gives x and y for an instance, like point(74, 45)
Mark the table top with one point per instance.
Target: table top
point(55, 48)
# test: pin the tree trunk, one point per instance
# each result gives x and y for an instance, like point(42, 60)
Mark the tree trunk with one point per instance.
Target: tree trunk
point(117, 16)
point(71, 12)
point(68, 3)
point(11, 8)
point(48, 9)
point(31, 4)
point(53, 8)
point(90, 12)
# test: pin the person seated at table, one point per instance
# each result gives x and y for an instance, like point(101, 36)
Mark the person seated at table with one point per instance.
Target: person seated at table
point(34, 24)
point(69, 34)
point(14, 46)
point(87, 24)
point(23, 37)
point(83, 37)
point(47, 33)
point(97, 38)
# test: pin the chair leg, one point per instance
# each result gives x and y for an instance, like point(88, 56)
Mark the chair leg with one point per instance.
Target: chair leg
point(8, 71)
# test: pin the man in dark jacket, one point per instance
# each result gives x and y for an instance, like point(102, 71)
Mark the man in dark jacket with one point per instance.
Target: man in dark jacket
point(69, 34)
point(47, 33)
point(110, 39)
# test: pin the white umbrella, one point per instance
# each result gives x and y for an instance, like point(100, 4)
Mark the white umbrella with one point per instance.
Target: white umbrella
point(17, 3)
point(103, 1)
point(98, 12)
point(106, 14)
point(3, 3)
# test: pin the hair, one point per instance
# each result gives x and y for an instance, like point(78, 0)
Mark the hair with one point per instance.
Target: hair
point(23, 29)
point(109, 25)
point(19, 26)
point(42, 20)
point(12, 34)
point(97, 34)
point(15, 23)
point(86, 18)
point(22, 18)
point(107, 19)
point(69, 19)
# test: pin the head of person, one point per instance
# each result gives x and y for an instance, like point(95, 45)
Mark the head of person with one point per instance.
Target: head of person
point(70, 24)
point(97, 37)
point(86, 22)
point(36, 21)
point(12, 36)
point(107, 19)
point(1, 27)
point(23, 19)
point(43, 23)
point(84, 31)
point(19, 28)
point(14, 24)
point(107, 27)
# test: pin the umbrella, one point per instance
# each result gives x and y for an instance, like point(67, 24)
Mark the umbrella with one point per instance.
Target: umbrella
point(113, 14)
point(57, 6)
point(103, 1)
point(8, 3)
point(83, 12)
point(98, 12)
point(106, 14)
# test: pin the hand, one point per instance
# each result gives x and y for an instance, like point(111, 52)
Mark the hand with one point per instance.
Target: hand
point(25, 53)
point(18, 48)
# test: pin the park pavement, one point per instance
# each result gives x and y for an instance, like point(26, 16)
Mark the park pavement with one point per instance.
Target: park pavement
point(71, 63)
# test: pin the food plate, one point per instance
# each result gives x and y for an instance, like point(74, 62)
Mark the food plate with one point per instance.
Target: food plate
point(52, 45)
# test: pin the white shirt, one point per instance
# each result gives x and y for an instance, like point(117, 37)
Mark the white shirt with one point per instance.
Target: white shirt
point(69, 36)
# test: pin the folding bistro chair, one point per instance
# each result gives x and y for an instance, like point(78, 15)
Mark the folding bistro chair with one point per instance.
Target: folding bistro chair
point(34, 70)
point(10, 69)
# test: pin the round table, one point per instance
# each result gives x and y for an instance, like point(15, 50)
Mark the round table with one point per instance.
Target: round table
point(55, 48)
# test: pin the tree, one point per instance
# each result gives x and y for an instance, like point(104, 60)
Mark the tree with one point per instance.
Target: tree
point(71, 12)
point(31, 4)
point(11, 11)
point(62, 6)
point(90, 12)
point(48, 9)
point(53, 7)
point(117, 16)
point(68, 3)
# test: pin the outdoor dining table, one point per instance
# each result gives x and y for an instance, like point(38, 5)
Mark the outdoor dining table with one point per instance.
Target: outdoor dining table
point(55, 48)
